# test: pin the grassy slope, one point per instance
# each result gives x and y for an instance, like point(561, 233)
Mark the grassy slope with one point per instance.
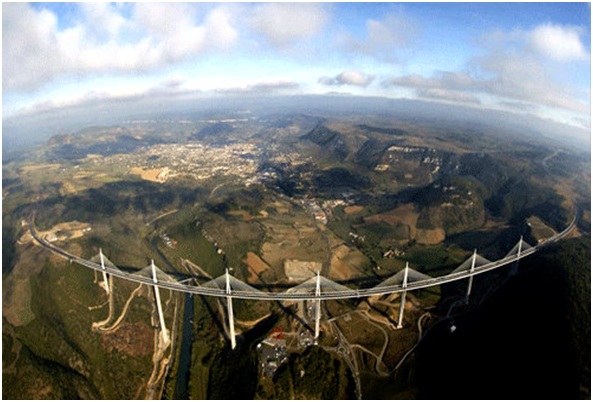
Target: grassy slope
point(59, 342)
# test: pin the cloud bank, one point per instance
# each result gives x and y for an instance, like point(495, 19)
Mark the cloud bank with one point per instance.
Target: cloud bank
point(518, 67)
point(59, 55)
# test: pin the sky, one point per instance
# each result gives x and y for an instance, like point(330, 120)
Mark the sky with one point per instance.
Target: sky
point(532, 58)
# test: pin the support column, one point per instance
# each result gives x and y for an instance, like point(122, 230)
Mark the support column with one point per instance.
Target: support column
point(159, 306)
point(400, 319)
point(471, 278)
point(317, 305)
point(515, 266)
point(105, 282)
point(229, 301)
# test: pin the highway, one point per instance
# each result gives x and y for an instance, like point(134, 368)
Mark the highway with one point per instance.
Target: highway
point(326, 294)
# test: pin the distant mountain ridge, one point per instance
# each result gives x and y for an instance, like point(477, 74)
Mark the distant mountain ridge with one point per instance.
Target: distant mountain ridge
point(24, 130)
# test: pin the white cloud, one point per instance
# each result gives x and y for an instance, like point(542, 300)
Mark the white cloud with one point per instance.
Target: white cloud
point(508, 83)
point(171, 88)
point(412, 81)
point(560, 43)
point(349, 77)
point(383, 38)
point(441, 79)
point(393, 30)
point(173, 82)
point(516, 105)
point(105, 20)
point(261, 88)
point(219, 28)
point(447, 95)
point(584, 123)
point(28, 39)
point(35, 50)
point(285, 23)
point(516, 72)
point(163, 20)
point(513, 70)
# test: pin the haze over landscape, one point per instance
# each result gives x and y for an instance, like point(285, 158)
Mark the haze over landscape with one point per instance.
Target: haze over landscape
point(296, 201)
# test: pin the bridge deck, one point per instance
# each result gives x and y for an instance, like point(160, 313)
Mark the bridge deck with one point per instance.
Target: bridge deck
point(325, 294)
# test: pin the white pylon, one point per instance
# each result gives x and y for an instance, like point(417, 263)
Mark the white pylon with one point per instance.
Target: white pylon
point(400, 319)
point(229, 301)
point(519, 248)
point(317, 305)
point(105, 282)
point(164, 333)
point(471, 278)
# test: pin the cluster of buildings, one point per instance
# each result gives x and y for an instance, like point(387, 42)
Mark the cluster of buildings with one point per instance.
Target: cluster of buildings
point(272, 353)
point(203, 161)
point(323, 211)
point(314, 208)
point(305, 338)
point(357, 237)
point(171, 243)
point(392, 253)
point(199, 161)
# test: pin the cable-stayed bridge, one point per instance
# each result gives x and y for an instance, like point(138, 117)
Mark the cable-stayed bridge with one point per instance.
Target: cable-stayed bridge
point(316, 289)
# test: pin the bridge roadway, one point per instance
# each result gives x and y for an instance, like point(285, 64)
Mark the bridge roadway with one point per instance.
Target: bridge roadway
point(325, 295)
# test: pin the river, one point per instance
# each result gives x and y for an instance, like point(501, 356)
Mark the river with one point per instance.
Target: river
point(184, 364)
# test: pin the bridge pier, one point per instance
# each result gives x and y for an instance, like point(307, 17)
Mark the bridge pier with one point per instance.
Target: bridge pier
point(317, 305)
point(105, 281)
point(400, 319)
point(515, 267)
point(229, 301)
point(157, 295)
point(471, 278)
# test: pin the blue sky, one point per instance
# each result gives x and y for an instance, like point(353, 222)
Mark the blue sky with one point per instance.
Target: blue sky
point(521, 57)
